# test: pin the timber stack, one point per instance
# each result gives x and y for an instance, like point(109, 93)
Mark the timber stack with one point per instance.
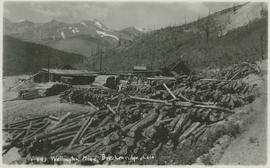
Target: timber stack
point(133, 121)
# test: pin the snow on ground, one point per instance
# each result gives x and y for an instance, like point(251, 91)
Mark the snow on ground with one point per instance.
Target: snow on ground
point(104, 34)
point(63, 35)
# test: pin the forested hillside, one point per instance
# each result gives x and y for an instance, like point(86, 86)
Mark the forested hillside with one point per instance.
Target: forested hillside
point(21, 57)
point(215, 41)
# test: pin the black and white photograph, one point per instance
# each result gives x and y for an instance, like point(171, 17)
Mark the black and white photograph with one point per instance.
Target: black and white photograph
point(134, 83)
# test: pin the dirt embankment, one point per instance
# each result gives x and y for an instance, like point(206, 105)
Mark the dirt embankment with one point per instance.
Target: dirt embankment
point(248, 146)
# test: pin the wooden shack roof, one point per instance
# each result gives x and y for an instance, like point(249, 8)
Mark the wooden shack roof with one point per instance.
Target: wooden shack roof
point(71, 72)
point(139, 68)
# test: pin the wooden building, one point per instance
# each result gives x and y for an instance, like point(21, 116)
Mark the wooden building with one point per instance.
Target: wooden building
point(179, 67)
point(71, 76)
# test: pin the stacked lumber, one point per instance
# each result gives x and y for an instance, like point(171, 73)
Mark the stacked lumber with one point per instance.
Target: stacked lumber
point(97, 96)
point(29, 94)
point(43, 90)
point(56, 88)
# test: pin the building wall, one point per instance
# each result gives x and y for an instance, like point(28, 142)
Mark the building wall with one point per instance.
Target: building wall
point(42, 77)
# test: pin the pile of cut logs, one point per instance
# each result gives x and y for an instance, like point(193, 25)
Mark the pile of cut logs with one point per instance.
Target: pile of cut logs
point(134, 127)
point(95, 96)
point(131, 122)
point(238, 71)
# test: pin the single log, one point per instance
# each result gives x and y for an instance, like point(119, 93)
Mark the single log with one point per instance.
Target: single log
point(149, 132)
point(123, 151)
point(110, 148)
point(81, 131)
point(28, 131)
point(174, 122)
point(118, 105)
point(62, 140)
point(199, 134)
point(61, 135)
point(170, 92)
point(53, 118)
point(183, 104)
point(144, 123)
point(106, 129)
point(203, 126)
point(105, 121)
point(114, 136)
point(89, 149)
point(28, 120)
point(129, 141)
point(37, 131)
point(129, 126)
point(218, 80)
point(62, 119)
point(15, 129)
point(189, 131)
point(162, 122)
point(181, 122)
point(157, 149)
point(58, 150)
point(111, 110)
point(92, 105)
point(145, 99)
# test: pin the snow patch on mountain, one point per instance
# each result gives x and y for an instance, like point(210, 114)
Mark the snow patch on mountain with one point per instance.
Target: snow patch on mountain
point(104, 34)
point(139, 29)
point(98, 24)
point(83, 23)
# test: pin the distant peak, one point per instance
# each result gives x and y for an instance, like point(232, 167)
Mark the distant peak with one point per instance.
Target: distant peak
point(143, 30)
point(53, 20)
point(22, 20)
point(25, 21)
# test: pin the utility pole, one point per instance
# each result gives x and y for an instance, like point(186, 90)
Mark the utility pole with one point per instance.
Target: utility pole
point(151, 52)
point(100, 58)
point(48, 68)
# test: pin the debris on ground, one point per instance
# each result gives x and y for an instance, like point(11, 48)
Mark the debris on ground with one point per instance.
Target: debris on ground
point(137, 120)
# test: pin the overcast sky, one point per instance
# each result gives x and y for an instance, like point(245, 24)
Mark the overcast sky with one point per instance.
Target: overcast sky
point(115, 15)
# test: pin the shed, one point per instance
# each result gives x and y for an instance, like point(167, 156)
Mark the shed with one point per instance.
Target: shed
point(179, 67)
point(71, 76)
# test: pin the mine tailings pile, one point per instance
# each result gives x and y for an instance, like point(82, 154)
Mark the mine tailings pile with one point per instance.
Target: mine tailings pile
point(138, 120)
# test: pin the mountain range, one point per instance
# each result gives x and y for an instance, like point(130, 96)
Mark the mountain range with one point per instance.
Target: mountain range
point(83, 38)
point(223, 38)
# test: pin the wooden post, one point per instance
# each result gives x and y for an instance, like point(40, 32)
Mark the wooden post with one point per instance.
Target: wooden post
point(48, 68)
